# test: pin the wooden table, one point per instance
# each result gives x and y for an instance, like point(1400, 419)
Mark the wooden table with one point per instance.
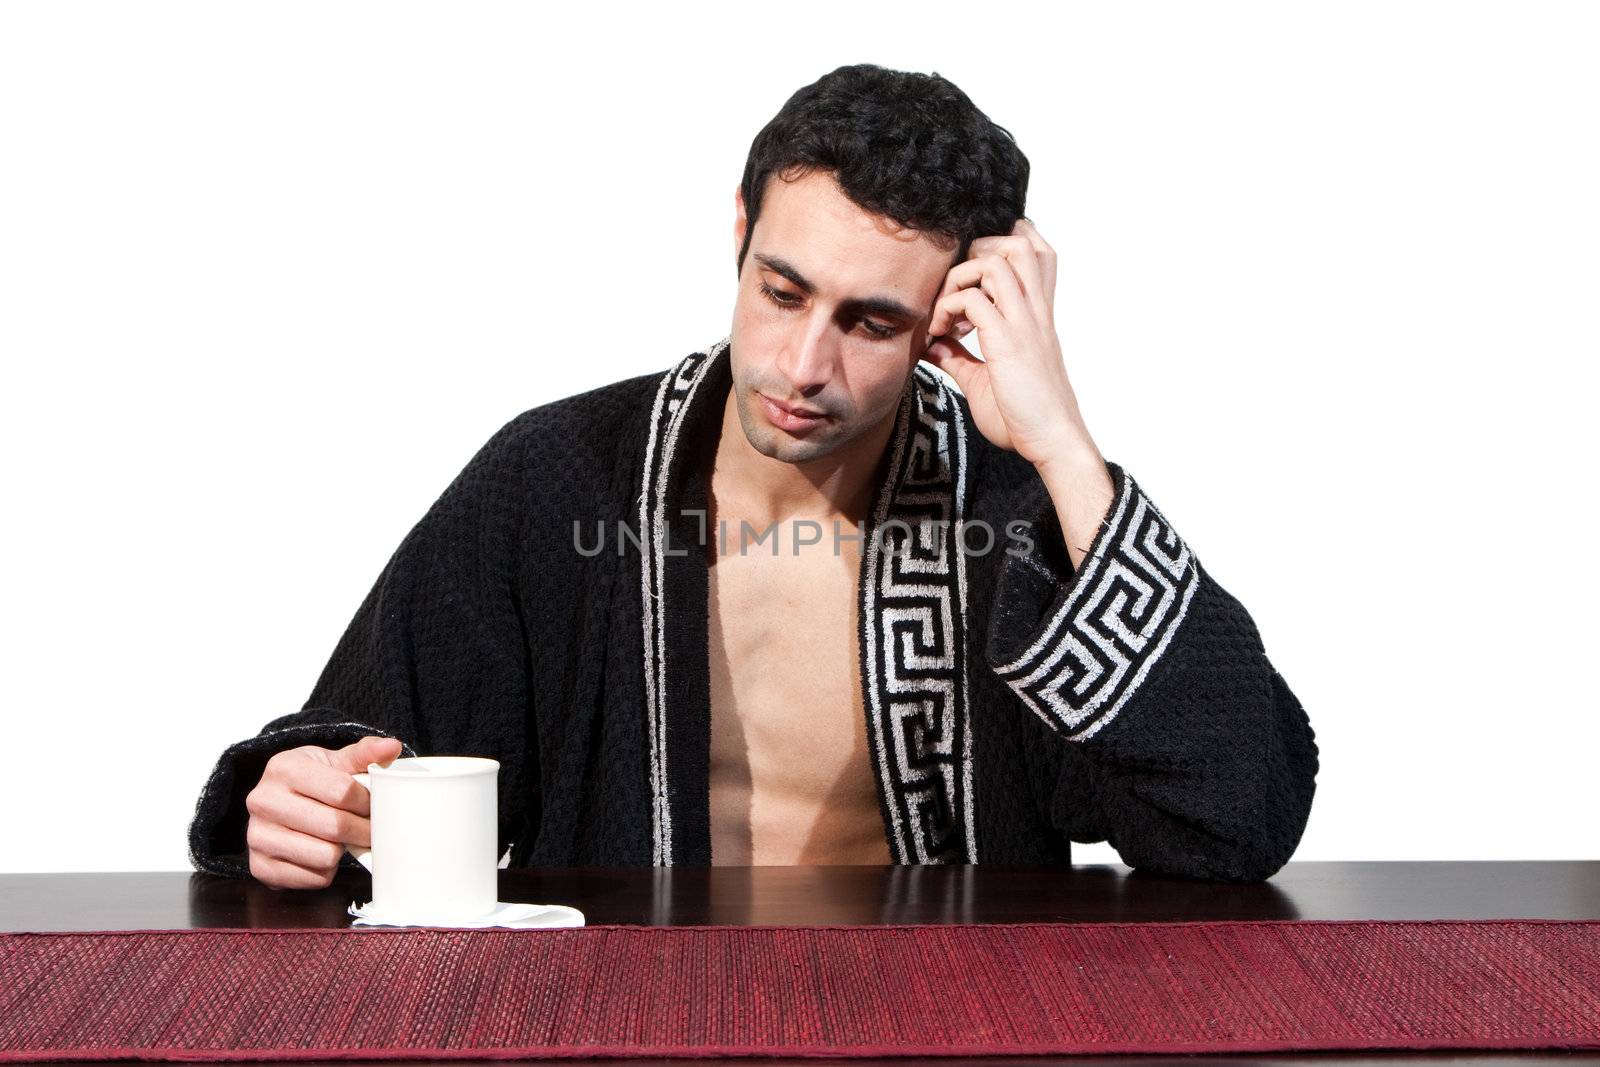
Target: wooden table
point(763, 896)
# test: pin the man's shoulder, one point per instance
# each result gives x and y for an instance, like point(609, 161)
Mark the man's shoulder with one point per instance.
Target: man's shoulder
point(562, 452)
point(604, 410)
point(591, 425)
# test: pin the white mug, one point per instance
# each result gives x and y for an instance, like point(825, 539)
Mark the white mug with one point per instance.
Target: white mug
point(435, 827)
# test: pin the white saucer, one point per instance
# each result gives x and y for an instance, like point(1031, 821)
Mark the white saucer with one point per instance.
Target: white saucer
point(518, 916)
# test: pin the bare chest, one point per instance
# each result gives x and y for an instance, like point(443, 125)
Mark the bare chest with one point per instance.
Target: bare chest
point(791, 780)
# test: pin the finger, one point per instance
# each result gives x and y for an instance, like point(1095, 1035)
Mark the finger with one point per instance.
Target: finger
point(995, 276)
point(331, 786)
point(290, 809)
point(291, 846)
point(971, 303)
point(354, 758)
point(285, 875)
point(955, 326)
point(952, 357)
point(1017, 250)
point(1045, 254)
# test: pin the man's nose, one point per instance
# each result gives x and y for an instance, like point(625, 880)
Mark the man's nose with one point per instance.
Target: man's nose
point(807, 361)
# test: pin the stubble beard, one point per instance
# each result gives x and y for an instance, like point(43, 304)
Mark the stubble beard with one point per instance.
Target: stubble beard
point(775, 444)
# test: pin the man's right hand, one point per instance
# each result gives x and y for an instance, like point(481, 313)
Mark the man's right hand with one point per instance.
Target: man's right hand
point(307, 808)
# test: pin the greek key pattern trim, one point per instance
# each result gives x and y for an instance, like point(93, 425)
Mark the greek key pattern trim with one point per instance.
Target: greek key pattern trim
point(913, 633)
point(1124, 606)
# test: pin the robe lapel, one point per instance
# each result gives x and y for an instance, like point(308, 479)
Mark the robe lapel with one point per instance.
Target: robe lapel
point(913, 632)
point(674, 585)
point(912, 639)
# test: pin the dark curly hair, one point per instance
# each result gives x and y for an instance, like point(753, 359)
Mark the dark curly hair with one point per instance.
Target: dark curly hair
point(910, 147)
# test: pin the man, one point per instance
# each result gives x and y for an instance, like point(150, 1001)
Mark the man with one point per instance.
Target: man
point(797, 600)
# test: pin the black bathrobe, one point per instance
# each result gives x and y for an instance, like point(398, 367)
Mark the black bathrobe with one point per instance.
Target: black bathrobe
point(550, 611)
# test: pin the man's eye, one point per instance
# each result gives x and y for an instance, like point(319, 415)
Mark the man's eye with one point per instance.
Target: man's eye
point(788, 300)
point(777, 296)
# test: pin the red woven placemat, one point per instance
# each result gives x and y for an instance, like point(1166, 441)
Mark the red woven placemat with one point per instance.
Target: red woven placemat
point(800, 991)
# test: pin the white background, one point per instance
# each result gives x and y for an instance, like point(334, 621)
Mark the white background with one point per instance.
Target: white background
point(270, 274)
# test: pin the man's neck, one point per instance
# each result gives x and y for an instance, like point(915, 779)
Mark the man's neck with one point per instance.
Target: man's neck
point(764, 490)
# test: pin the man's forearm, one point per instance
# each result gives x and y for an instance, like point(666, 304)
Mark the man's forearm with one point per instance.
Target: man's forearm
point(1080, 487)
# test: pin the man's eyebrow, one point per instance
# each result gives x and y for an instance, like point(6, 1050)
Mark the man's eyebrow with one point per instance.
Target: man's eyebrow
point(885, 306)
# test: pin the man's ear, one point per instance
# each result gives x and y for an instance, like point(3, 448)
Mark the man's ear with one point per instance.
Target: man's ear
point(738, 220)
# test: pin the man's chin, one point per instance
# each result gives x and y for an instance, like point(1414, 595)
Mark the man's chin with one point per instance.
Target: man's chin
point(775, 444)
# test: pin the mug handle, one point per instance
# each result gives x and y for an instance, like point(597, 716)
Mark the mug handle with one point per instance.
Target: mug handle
point(364, 857)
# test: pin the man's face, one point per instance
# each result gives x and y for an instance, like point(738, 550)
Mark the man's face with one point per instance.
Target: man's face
point(831, 317)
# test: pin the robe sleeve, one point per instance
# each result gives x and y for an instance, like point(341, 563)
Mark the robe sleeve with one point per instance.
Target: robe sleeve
point(436, 656)
point(1180, 743)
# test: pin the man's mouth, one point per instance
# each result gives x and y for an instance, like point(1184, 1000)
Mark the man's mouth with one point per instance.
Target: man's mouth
point(790, 418)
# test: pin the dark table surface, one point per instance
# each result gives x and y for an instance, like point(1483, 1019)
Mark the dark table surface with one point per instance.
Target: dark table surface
point(766, 896)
